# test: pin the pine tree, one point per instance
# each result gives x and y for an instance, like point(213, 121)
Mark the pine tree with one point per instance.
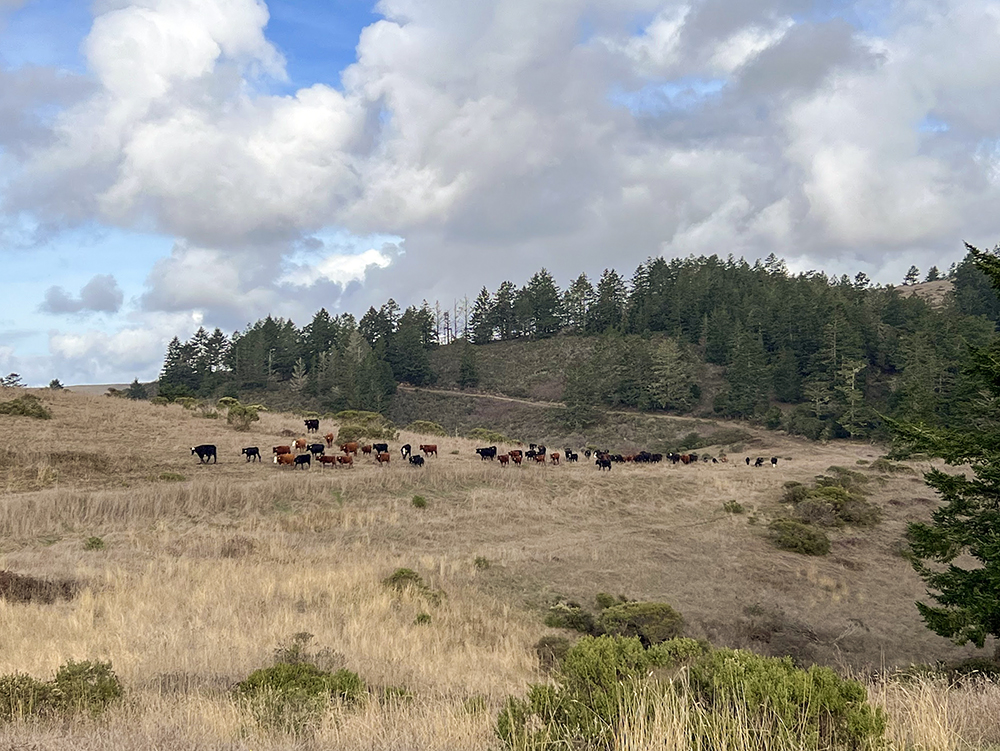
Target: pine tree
point(299, 376)
point(912, 276)
point(481, 318)
point(748, 376)
point(468, 373)
point(576, 302)
point(933, 275)
point(673, 377)
point(136, 391)
point(504, 317)
point(608, 310)
point(957, 554)
point(546, 304)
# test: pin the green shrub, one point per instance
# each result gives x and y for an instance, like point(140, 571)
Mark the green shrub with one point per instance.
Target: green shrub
point(93, 543)
point(422, 619)
point(489, 436)
point(396, 695)
point(885, 466)
point(812, 708)
point(570, 615)
point(426, 427)
point(482, 562)
point(419, 501)
point(408, 580)
point(78, 687)
point(27, 405)
point(172, 477)
point(733, 507)
point(651, 622)
point(188, 402)
point(159, 401)
point(795, 492)
point(833, 506)
point(356, 424)
point(604, 600)
point(551, 650)
point(793, 535)
point(292, 697)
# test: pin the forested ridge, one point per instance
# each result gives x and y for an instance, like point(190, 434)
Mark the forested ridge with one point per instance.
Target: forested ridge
point(816, 355)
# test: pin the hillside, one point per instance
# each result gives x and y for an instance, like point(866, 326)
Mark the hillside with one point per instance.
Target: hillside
point(206, 569)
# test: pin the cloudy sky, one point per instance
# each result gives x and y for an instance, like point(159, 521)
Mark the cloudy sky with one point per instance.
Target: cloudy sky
point(171, 163)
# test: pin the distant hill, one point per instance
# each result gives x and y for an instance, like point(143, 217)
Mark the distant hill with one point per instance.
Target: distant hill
point(933, 293)
point(97, 389)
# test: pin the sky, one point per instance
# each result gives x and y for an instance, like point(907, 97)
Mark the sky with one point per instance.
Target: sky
point(168, 164)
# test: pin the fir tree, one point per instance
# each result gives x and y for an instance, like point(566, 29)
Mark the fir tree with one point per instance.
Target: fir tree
point(481, 318)
point(468, 373)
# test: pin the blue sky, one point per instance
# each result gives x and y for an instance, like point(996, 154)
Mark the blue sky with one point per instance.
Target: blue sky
point(156, 153)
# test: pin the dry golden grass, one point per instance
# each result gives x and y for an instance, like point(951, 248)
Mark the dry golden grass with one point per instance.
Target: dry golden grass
point(203, 577)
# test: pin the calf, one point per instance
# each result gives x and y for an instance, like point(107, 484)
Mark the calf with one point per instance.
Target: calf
point(282, 459)
point(429, 448)
point(380, 448)
point(555, 457)
point(516, 452)
point(281, 450)
point(205, 452)
point(417, 461)
point(366, 449)
point(488, 453)
point(324, 460)
point(504, 459)
point(329, 439)
point(302, 460)
point(603, 462)
point(312, 426)
point(383, 457)
point(316, 449)
point(405, 450)
point(251, 452)
point(572, 456)
point(350, 448)
point(539, 458)
point(759, 462)
point(774, 461)
point(347, 460)
point(300, 444)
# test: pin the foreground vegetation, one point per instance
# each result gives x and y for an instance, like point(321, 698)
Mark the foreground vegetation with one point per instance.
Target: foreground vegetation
point(245, 607)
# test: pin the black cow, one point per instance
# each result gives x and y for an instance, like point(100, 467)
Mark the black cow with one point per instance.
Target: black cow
point(488, 453)
point(540, 450)
point(406, 450)
point(759, 462)
point(586, 453)
point(774, 461)
point(252, 452)
point(312, 426)
point(380, 448)
point(572, 456)
point(417, 461)
point(603, 462)
point(302, 460)
point(316, 449)
point(205, 452)
point(748, 461)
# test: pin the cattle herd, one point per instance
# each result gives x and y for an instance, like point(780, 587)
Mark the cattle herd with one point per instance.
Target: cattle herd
point(301, 453)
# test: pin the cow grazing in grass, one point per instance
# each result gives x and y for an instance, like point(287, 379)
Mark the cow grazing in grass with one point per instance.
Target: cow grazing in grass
point(774, 461)
point(366, 450)
point(516, 458)
point(281, 450)
point(405, 450)
point(205, 452)
point(489, 452)
point(329, 439)
point(347, 460)
point(603, 462)
point(303, 460)
point(251, 453)
point(504, 459)
point(759, 462)
point(555, 457)
point(380, 448)
point(417, 461)
point(429, 449)
point(324, 460)
point(283, 459)
point(299, 444)
point(350, 448)
point(383, 457)
point(316, 449)
point(312, 426)
point(539, 459)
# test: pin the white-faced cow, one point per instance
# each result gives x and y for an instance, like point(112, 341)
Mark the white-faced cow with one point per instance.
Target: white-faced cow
point(205, 452)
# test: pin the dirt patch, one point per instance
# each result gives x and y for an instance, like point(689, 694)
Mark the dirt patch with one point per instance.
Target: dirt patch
point(21, 588)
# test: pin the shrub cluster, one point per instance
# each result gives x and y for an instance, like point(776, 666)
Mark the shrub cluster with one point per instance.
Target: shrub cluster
point(408, 580)
point(798, 537)
point(426, 427)
point(356, 424)
point(489, 436)
point(650, 622)
point(78, 687)
point(601, 681)
point(27, 405)
point(835, 500)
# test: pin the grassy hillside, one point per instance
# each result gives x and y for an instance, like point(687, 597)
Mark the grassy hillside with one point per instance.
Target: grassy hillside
point(206, 570)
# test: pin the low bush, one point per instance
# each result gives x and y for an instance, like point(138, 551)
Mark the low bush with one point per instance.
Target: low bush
point(422, 619)
point(407, 580)
point(604, 600)
point(481, 562)
point(419, 501)
point(94, 543)
point(78, 687)
point(798, 537)
point(488, 436)
point(883, 465)
point(171, 477)
point(426, 427)
point(651, 622)
point(293, 696)
point(602, 684)
point(733, 507)
point(28, 405)
point(570, 616)
point(837, 499)
point(551, 650)
point(356, 424)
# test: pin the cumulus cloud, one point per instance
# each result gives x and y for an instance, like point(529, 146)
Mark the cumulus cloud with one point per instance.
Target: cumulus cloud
point(100, 295)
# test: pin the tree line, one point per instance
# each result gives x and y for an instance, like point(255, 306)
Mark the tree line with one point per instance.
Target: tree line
point(818, 355)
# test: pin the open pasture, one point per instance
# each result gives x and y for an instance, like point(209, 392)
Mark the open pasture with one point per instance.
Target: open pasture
point(206, 569)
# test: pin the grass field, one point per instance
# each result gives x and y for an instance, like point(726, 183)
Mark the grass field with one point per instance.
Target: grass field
point(207, 569)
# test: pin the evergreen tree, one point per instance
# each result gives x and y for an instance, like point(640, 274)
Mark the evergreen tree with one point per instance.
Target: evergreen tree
point(406, 353)
point(545, 304)
point(504, 317)
point(136, 391)
point(468, 373)
point(747, 375)
point(55, 385)
point(576, 302)
point(608, 310)
point(179, 375)
point(957, 554)
point(299, 376)
point(912, 276)
point(673, 377)
point(481, 318)
point(933, 275)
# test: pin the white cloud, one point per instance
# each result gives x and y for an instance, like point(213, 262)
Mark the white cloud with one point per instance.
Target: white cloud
point(339, 269)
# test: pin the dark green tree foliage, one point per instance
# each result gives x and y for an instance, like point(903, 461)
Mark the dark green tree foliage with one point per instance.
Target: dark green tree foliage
point(577, 302)
point(974, 294)
point(608, 311)
point(957, 554)
point(405, 350)
point(504, 318)
point(481, 318)
point(468, 373)
point(539, 306)
point(748, 376)
point(136, 391)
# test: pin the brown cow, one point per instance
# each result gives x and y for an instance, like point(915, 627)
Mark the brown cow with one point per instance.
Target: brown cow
point(366, 449)
point(327, 459)
point(539, 458)
point(350, 448)
point(284, 459)
point(555, 457)
point(504, 459)
point(430, 448)
point(383, 458)
point(516, 452)
point(300, 444)
point(516, 457)
point(329, 439)
point(281, 450)
point(347, 460)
